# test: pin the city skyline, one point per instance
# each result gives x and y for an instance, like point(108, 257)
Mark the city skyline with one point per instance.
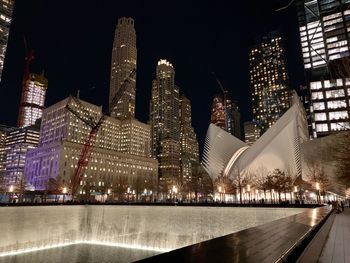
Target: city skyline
point(156, 43)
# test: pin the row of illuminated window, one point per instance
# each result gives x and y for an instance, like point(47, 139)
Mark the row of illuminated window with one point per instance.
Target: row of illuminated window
point(330, 105)
point(335, 126)
point(316, 85)
point(318, 95)
point(334, 115)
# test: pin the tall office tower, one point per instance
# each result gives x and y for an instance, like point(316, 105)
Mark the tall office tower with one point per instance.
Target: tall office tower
point(233, 119)
point(268, 80)
point(324, 34)
point(32, 100)
point(251, 132)
point(6, 7)
point(124, 57)
point(3, 135)
point(230, 123)
point(18, 142)
point(189, 145)
point(165, 121)
point(115, 162)
point(218, 112)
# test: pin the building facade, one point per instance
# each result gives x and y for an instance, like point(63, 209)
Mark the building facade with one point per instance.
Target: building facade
point(116, 163)
point(251, 132)
point(6, 7)
point(230, 123)
point(188, 142)
point(135, 138)
point(324, 36)
point(32, 100)
point(124, 59)
point(218, 112)
point(165, 121)
point(18, 142)
point(269, 80)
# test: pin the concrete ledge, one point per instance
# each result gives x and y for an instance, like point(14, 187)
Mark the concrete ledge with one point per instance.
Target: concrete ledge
point(312, 252)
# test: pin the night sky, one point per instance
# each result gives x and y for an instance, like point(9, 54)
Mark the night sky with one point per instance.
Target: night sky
point(73, 41)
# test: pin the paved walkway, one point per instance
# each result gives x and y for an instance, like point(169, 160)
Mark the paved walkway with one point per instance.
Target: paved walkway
point(337, 247)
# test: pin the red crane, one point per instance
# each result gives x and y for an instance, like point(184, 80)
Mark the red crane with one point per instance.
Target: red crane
point(80, 112)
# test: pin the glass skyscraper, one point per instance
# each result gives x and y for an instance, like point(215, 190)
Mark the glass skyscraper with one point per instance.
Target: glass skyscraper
point(324, 27)
point(269, 80)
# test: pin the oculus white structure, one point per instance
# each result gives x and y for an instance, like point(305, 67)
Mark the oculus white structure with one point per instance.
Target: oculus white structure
point(278, 148)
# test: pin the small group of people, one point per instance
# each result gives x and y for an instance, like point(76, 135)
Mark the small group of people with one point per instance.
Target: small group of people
point(338, 205)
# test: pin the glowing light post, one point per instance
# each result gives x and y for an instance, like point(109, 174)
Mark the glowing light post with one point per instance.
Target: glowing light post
point(64, 192)
point(318, 192)
point(109, 191)
point(256, 194)
point(174, 190)
point(11, 193)
point(220, 189)
point(128, 192)
point(248, 190)
point(273, 195)
point(296, 193)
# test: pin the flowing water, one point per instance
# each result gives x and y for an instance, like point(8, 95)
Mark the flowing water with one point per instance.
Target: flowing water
point(117, 233)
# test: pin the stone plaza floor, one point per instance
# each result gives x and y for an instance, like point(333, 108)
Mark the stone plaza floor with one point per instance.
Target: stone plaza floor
point(337, 246)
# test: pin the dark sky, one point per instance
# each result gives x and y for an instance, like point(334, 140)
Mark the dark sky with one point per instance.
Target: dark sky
point(73, 42)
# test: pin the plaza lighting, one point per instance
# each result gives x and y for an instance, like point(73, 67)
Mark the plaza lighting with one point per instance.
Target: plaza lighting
point(11, 188)
point(64, 191)
point(317, 186)
point(109, 191)
point(248, 188)
point(295, 189)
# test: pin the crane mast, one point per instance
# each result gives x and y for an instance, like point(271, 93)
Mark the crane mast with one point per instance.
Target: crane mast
point(82, 114)
point(225, 100)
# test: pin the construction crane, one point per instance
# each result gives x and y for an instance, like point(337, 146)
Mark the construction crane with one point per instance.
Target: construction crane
point(225, 100)
point(82, 114)
point(121, 91)
point(29, 58)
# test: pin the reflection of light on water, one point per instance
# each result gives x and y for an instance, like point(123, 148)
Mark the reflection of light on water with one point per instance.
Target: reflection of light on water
point(313, 216)
point(92, 242)
point(29, 250)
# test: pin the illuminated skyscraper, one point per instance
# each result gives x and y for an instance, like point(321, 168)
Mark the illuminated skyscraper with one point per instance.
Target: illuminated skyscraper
point(251, 132)
point(165, 122)
point(189, 144)
point(6, 7)
point(32, 100)
point(218, 112)
point(324, 34)
point(269, 80)
point(124, 57)
point(230, 123)
point(18, 142)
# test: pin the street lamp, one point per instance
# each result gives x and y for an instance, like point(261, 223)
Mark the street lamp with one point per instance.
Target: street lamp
point(11, 188)
point(220, 189)
point(64, 191)
point(273, 195)
point(174, 192)
point(248, 190)
point(296, 192)
point(318, 192)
